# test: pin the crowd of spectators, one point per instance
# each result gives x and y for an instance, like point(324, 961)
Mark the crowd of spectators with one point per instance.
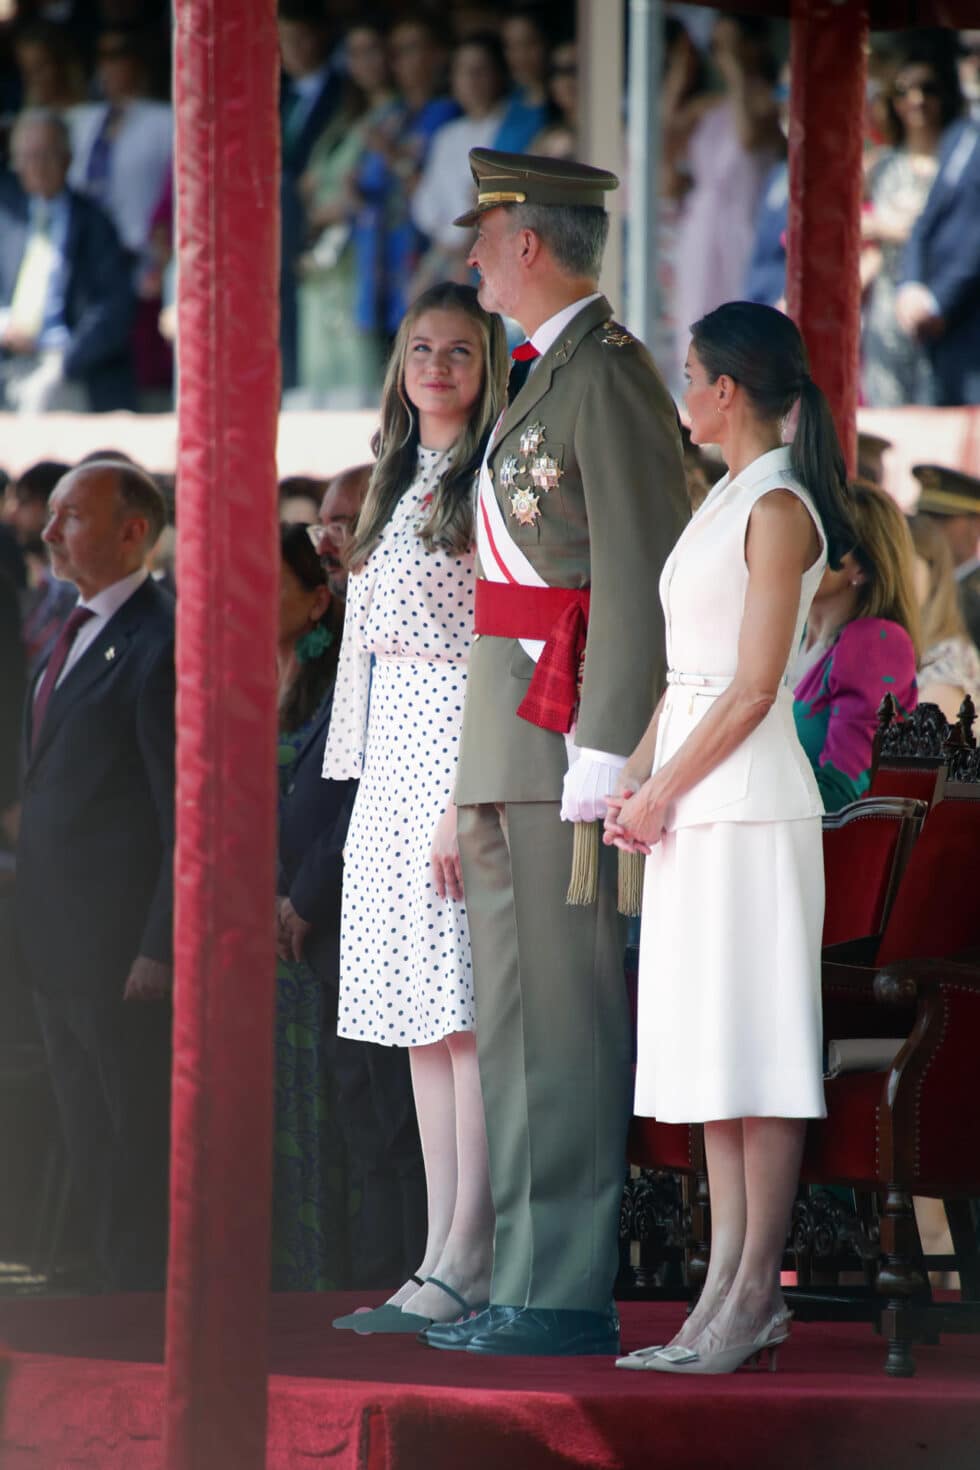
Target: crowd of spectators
point(378, 112)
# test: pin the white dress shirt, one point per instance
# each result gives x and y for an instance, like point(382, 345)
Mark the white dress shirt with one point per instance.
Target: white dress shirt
point(551, 330)
point(104, 605)
point(141, 157)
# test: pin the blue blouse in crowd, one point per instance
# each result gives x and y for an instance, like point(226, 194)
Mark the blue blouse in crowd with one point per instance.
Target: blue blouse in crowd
point(387, 244)
point(521, 123)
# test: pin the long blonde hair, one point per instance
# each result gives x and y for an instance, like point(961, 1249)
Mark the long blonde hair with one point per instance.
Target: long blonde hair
point(941, 614)
point(449, 526)
point(883, 549)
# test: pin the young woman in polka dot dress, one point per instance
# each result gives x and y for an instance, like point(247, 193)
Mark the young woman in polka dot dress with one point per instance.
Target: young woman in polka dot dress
point(406, 974)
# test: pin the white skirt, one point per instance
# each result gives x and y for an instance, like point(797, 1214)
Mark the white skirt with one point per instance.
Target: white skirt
point(730, 1022)
point(406, 976)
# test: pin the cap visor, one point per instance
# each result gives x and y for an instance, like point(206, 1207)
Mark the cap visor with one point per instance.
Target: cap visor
point(470, 218)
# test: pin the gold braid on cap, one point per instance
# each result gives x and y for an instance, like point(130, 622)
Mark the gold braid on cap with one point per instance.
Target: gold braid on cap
point(502, 196)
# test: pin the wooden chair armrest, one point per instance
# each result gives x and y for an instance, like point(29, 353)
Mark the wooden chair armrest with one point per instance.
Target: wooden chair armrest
point(904, 981)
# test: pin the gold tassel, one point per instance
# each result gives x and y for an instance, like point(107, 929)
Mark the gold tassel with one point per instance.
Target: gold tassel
point(584, 885)
point(631, 866)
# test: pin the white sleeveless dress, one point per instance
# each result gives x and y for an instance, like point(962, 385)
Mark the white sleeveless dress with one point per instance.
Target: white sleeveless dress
point(729, 1021)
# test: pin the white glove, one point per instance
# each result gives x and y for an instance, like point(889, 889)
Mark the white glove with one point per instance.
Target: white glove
point(592, 776)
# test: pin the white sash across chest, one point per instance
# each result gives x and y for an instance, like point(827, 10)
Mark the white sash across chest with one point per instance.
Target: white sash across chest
point(501, 559)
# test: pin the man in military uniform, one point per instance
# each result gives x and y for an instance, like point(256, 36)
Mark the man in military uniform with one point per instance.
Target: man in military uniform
point(954, 499)
point(871, 457)
point(581, 499)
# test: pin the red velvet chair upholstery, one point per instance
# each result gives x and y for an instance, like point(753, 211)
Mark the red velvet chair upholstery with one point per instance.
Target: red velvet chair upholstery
point(865, 848)
point(913, 1130)
point(917, 778)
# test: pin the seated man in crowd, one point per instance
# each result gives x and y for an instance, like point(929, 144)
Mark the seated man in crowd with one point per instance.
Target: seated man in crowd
point(66, 302)
point(939, 302)
point(94, 882)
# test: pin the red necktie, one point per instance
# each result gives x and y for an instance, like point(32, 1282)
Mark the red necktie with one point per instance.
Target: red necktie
point(523, 356)
point(56, 663)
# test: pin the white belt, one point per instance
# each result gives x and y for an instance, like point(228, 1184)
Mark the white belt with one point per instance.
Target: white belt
point(410, 659)
point(699, 681)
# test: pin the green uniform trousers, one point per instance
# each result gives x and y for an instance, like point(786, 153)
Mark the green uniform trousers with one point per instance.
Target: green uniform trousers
point(553, 1038)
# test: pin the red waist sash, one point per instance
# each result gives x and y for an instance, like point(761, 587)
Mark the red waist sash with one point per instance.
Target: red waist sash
point(556, 616)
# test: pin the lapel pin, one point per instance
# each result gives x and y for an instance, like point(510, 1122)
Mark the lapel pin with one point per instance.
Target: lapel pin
point(110, 654)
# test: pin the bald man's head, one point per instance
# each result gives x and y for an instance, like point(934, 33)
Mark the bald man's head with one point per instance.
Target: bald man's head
point(339, 510)
point(103, 520)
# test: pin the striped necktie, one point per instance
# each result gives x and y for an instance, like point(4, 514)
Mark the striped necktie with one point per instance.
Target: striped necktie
point(57, 661)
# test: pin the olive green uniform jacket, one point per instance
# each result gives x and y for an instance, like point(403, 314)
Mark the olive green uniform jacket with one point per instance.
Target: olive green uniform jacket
point(609, 524)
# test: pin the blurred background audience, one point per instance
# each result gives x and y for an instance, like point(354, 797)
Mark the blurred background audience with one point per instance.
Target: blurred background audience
point(924, 99)
point(949, 665)
point(379, 108)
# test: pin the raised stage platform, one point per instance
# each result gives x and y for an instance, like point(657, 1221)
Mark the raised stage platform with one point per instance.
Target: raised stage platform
point(85, 1389)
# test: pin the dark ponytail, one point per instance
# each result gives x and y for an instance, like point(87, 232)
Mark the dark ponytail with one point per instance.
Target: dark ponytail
point(762, 350)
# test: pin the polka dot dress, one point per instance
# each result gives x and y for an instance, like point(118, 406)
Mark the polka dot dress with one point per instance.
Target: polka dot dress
point(406, 975)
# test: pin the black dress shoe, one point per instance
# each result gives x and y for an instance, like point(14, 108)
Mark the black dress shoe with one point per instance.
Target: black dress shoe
point(457, 1335)
point(542, 1332)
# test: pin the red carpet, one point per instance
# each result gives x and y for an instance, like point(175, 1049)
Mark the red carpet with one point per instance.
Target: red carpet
point(86, 1386)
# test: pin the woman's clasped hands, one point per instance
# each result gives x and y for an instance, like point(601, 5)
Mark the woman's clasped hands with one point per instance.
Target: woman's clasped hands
point(636, 815)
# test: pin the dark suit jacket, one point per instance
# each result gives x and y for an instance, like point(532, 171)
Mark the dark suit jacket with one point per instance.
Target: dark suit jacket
point(95, 853)
point(99, 301)
point(313, 818)
point(295, 157)
point(944, 254)
point(13, 680)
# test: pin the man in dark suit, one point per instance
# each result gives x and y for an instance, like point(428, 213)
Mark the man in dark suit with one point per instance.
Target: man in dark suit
point(940, 299)
point(310, 96)
point(94, 862)
point(66, 303)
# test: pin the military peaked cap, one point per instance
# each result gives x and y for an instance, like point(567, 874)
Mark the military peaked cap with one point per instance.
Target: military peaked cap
point(523, 178)
point(947, 492)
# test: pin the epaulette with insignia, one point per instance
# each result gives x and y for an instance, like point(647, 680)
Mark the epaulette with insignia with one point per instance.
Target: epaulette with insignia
point(611, 334)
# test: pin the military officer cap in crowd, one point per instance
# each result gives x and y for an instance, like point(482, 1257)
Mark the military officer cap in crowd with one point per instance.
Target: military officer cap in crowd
point(947, 492)
point(523, 178)
point(871, 451)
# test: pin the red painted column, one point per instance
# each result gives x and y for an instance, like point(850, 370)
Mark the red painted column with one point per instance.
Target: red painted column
point(828, 59)
point(226, 84)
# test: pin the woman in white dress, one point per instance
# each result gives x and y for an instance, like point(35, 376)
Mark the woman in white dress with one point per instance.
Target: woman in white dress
point(721, 797)
point(405, 969)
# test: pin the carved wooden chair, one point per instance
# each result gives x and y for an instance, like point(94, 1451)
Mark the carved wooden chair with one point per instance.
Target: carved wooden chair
point(866, 846)
point(912, 1130)
point(910, 757)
